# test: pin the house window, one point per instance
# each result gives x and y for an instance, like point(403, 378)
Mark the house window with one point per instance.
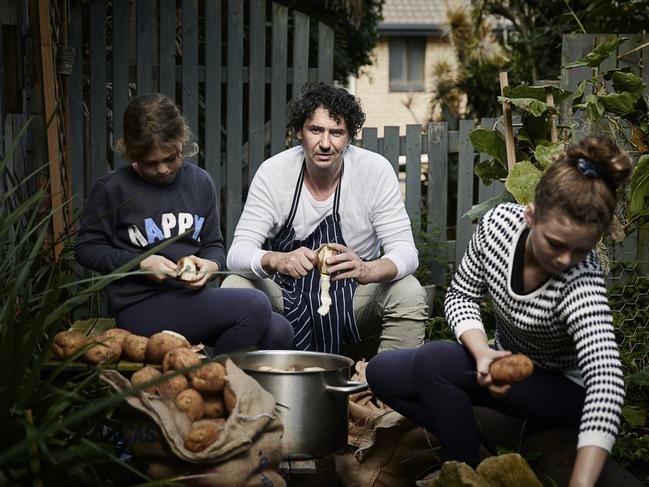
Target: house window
point(407, 63)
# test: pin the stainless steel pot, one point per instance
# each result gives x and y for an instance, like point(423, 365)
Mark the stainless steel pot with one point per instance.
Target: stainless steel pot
point(312, 404)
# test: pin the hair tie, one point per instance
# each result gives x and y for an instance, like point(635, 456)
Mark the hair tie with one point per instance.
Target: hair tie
point(588, 168)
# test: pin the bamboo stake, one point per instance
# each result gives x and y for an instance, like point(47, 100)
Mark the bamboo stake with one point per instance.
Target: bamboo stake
point(51, 119)
point(549, 99)
point(509, 130)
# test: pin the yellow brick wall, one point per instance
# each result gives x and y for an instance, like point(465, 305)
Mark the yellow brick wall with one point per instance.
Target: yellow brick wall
point(383, 107)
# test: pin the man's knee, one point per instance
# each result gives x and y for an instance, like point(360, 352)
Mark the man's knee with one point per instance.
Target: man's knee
point(235, 281)
point(406, 299)
point(267, 286)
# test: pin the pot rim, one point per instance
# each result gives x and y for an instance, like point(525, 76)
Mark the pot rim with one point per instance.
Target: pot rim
point(296, 353)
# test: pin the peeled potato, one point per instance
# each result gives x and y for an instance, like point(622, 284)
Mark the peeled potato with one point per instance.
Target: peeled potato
point(186, 269)
point(146, 374)
point(161, 343)
point(209, 379)
point(214, 406)
point(105, 350)
point(324, 252)
point(202, 435)
point(180, 358)
point(173, 386)
point(66, 343)
point(134, 348)
point(511, 369)
point(191, 402)
point(229, 397)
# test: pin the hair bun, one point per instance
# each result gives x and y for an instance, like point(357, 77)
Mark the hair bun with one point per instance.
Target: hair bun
point(613, 164)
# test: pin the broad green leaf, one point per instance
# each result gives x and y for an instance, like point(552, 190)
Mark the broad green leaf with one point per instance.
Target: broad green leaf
point(619, 103)
point(490, 142)
point(639, 187)
point(532, 105)
point(490, 170)
point(594, 58)
point(478, 211)
point(624, 81)
point(522, 180)
point(594, 107)
point(640, 378)
point(579, 92)
point(536, 92)
point(546, 153)
point(634, 416)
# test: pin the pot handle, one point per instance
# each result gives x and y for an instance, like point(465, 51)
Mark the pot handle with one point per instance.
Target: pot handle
point(350, 387)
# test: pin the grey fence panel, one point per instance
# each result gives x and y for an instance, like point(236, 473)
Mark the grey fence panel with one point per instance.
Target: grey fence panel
point(167, 48)
point(369, 140)
point(413, 177)
point(75, 108)
point(573, 47)
point(144, 46)
point(391, 146)
point(279, 76)
point(190, 63)
point(98, 163)
point(212, 140)
point(485, 191)
point(437, 196)
point(300, 51)
point(120, 72)
point(645, 59)
point(464, 189)
point(257, 87)
point(234, 117)
point(630, 60)
point(325, 52)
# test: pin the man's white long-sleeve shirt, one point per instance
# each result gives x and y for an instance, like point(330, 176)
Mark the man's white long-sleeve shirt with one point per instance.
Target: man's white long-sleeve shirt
point(372, 212)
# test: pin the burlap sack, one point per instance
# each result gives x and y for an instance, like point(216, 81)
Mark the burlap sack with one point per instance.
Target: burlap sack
point(248, 451)
point(388, 449)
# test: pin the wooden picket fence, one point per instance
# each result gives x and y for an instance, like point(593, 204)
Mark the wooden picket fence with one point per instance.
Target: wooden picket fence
point(193, 52)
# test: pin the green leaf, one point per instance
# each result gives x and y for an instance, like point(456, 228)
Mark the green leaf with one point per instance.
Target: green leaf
point(478, 211)
point(639, 187)
point(490, 142)
point(624, 81)
point(594, 107)
point(594, 58)
point(522, 180)
point(619, 103)
point(641, 377)
point(536, 92)
point(490, 170)
point(579, 93)
point(532, 105)
point(545, 154)
point(634, 416)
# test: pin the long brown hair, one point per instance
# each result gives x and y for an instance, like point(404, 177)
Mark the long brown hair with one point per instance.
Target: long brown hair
point(584, 182)
point(153, 120)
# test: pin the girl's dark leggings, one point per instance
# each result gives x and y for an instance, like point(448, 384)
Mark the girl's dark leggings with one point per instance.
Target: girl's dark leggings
point(227, 319)
point(435, 386)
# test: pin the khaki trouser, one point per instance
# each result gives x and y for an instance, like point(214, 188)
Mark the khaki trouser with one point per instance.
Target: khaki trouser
point(389, 315)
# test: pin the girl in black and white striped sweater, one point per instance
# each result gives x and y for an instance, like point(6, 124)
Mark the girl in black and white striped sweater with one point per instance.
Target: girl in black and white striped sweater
point(550, 302)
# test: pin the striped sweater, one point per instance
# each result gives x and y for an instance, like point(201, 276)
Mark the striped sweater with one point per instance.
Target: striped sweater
point(564, 325)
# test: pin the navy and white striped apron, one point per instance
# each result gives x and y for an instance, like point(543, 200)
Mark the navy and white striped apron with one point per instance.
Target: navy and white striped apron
point(302, 296)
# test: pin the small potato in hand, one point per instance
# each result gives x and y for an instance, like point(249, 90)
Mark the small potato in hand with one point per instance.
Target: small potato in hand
point(511, 369)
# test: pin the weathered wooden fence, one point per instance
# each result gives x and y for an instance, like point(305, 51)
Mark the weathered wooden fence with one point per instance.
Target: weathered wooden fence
point(212, 58)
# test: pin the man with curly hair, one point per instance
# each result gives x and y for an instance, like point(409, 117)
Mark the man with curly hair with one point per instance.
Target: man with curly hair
point(327, 191)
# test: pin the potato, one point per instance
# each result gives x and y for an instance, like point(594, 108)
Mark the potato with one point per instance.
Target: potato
point(66, 343)
point(118, 333)
point(160, 343)
point(186, 269)
point(191, 402)
point(229, 397)
point(214, 406)
point(209, 379)
point(107, 349)
point(180, 358)
point(173, 386)
point(146, 374)
point(511, 369)
point(202, 435)
point(134, 348)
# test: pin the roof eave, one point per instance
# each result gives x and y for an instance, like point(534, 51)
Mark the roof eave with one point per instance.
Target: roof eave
point(411, 29)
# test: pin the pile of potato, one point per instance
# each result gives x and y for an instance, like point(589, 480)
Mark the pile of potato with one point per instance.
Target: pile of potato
point(202, 393)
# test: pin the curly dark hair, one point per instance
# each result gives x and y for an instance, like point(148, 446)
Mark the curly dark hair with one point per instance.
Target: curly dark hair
point(337, 101)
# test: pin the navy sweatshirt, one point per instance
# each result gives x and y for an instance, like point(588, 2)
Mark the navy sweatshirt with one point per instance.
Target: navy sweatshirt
point(126, 216)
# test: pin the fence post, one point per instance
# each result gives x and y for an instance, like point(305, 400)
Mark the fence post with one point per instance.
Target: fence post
point(437, 198)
